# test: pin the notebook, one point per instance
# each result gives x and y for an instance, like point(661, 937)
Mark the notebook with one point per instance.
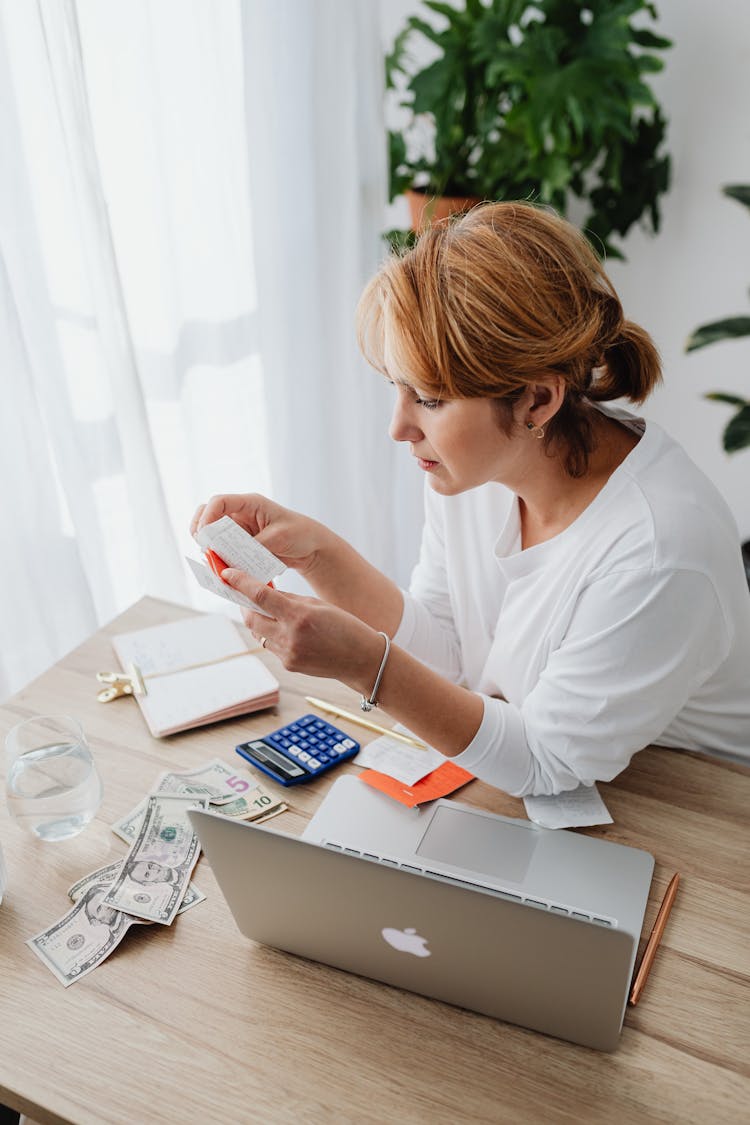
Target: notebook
point(525, 924)
point(197, 670)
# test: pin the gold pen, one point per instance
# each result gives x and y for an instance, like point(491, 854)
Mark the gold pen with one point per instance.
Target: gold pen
point(653, 942)
point(342, 714)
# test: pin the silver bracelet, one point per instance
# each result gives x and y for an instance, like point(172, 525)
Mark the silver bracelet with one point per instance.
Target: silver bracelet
point(368, 704)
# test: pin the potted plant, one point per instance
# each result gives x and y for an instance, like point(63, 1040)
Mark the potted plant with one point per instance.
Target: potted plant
point(737, 430)
point(545, 100)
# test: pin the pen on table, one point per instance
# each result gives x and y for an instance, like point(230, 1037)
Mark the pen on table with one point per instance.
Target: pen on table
point(653, 942)
point(342, 714)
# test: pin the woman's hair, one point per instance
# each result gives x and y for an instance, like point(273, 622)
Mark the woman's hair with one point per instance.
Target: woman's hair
point(492, 301)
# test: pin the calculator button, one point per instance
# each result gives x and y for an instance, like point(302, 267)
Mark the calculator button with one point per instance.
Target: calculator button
point(337, 749)
point(293, 751)
point(292, 726)
point(348, 743)
point(294, 738)
point(303, 744)
point(305, 722)
point(303, 755)
point(323, 757)
point(314, 764)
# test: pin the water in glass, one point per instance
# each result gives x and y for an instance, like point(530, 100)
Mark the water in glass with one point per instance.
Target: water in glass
point(54, 790)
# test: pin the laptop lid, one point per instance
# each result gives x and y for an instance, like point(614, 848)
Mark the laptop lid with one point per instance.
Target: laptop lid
point(461, 944)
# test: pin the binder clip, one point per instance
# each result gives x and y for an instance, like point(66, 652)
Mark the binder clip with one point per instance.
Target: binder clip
point(121, 683)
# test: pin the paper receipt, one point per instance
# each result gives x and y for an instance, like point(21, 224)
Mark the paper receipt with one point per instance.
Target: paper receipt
point(209, 581)
point(239, 549)
point(574, 809)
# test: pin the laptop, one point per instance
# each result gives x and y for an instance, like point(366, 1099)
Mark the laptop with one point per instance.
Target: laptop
point(525, 924)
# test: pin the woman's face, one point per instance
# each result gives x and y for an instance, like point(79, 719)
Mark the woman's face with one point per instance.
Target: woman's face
point(459, 443)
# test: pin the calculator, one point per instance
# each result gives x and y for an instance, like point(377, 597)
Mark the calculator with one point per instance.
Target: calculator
point(300, 751)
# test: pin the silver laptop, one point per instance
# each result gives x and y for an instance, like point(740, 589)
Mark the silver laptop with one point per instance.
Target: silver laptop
point(528, 925)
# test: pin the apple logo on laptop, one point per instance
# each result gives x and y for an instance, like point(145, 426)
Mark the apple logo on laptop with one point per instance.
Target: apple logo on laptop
point(406, 941)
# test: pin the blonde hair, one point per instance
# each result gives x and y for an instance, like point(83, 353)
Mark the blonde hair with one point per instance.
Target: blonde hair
point(486, 304)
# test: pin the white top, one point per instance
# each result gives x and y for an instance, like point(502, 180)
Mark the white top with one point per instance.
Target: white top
point(630, 627)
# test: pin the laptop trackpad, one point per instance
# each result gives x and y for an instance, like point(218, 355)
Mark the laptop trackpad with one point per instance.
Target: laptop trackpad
point(479, 843)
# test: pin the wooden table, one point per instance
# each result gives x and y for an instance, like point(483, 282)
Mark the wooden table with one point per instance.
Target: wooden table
point(195, 1024)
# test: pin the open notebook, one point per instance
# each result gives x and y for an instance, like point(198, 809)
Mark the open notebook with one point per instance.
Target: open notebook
point(195, 671)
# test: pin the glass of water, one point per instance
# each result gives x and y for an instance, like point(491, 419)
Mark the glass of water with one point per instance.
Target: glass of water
point(52, 785)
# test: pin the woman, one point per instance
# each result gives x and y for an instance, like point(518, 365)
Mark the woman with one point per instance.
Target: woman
point(579, 592)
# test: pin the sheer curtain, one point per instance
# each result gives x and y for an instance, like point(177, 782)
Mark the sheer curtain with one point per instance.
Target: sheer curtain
point(191, 196)
point(314, 95)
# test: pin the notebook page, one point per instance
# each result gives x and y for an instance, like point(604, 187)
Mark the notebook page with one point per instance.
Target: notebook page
point(190, 695)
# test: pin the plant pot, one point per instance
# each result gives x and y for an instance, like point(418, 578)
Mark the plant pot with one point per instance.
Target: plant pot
point(426, 209)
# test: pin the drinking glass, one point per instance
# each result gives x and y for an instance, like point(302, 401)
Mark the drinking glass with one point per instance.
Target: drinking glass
point(52, 785)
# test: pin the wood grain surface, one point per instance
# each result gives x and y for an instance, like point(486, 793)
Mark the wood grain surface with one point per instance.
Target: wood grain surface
point(195, 1024)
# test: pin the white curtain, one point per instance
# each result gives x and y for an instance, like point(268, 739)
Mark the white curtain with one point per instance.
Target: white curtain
point(314, 95)
point(191, 196)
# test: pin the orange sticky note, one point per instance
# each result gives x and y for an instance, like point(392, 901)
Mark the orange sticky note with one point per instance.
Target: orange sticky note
point(442, 781)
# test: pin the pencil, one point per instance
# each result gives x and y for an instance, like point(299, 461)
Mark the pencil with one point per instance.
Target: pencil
point(342, 714)
point(654, 939)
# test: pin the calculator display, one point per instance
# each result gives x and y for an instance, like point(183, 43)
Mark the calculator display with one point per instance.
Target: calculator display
point(300, 751)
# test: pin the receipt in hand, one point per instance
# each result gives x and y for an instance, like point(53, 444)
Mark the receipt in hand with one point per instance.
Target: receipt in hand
point(240, 550)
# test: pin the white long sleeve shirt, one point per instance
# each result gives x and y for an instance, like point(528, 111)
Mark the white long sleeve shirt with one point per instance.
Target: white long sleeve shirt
point(630, 627)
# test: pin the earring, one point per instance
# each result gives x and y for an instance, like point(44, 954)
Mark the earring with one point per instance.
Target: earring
point(538, 431)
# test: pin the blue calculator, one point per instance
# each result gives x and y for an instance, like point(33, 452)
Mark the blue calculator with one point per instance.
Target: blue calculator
point(301, 751)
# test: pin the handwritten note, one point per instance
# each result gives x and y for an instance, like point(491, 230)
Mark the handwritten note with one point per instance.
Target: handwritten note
point(577, 808)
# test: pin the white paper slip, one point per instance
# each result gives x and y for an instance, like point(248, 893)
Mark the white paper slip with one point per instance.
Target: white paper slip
point(239, 549)
point(406, 763)
point(575, 809)
point(209, 581)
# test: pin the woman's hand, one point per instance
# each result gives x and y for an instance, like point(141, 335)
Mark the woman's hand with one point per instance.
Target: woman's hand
point(311, 636)
point(293, 538)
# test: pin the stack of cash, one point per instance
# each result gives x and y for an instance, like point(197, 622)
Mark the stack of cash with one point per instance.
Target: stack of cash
point(152, 883)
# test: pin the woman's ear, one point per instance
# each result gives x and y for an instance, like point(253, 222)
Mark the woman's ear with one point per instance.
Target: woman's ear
point(543, 399)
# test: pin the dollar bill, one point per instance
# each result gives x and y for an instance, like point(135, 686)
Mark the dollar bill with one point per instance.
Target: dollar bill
point(155, 873)
point(84, 937)
point(106, 876)
point(216, 781)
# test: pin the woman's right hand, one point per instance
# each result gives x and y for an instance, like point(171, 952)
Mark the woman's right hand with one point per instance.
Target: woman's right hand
point(293, 538)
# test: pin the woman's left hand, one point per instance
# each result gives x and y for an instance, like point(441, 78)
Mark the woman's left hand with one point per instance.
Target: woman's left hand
point(310, 636)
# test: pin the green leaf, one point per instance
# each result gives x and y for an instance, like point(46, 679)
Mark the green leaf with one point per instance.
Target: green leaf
point(645, 38)
point(737, 432)
point(452, 14)
point(731, 400)
point(740, 192)
point(732, 327)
